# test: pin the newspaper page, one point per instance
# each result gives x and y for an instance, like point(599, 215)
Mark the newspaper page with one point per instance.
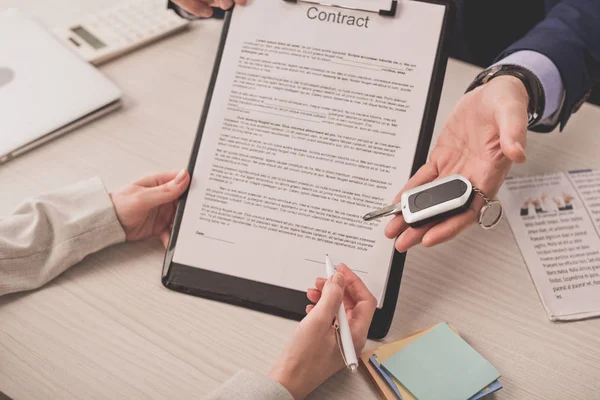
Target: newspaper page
point(555, 219)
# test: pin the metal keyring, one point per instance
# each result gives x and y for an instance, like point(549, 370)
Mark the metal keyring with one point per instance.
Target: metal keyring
point(491, 213)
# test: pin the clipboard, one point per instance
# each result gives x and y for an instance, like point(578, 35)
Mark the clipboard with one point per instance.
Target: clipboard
point(276, 300)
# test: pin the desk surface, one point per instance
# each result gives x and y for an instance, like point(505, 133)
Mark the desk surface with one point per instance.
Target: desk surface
point(108, 328)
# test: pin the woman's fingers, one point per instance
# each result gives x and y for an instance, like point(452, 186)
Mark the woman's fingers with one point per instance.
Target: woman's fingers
point(157, 179)
point(449, 229)
point(164, 238)
point(314, 295)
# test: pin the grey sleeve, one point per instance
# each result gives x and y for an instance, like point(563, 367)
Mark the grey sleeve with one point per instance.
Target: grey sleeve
point(250, 386)
point(49, 233)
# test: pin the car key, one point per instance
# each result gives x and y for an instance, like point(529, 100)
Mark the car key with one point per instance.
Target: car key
point(432, 201)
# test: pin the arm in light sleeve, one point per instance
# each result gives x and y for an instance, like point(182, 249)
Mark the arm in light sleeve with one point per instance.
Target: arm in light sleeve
point(48, 234)
point(250, 386)
point(549, 76)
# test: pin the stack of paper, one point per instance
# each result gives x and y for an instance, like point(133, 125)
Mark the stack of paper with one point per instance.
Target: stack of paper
point(431, 364)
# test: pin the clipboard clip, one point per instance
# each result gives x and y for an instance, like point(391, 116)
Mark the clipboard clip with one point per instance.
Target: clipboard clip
point(388, 13)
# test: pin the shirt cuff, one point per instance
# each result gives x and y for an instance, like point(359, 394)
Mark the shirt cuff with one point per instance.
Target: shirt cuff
point(107, 215)
point(546, 71)
point(86, 215)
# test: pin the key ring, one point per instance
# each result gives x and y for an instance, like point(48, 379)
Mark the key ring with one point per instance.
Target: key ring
point(491, 213)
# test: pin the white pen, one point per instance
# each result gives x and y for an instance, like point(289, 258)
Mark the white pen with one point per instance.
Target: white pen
point(347, 345)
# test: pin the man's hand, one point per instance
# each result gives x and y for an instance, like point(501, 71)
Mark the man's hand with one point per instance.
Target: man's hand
point(313, 355)
point(147, 207)
point(203, 8)
point(485, 133)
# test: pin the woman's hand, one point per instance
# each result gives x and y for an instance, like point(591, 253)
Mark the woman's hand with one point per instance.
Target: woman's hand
point(313, 355)
point(147, 207)
point(483, 136)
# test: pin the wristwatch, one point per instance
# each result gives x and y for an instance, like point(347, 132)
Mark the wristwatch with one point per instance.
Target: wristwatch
point(535, 90)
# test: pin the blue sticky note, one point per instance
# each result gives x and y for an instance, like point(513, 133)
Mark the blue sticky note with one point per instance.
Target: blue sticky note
point(441, 365)
point(493, 387)
point(388, 380)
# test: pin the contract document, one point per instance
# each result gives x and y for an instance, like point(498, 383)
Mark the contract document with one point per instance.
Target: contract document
point(314, 120)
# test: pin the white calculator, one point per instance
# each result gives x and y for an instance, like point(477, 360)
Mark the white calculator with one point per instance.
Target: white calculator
point(121, 29)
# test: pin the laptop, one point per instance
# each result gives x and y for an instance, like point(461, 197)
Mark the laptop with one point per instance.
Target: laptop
point(45, 89)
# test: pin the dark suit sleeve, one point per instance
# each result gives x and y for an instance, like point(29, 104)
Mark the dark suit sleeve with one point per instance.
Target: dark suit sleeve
point(570, 37)
point(217, 12)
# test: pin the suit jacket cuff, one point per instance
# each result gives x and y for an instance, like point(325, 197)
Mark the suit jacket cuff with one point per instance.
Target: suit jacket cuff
point(568, 36)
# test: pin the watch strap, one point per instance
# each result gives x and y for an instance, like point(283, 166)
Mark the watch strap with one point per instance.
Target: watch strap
point(533, 86)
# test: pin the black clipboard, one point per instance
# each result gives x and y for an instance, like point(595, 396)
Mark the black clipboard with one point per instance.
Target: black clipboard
point(277, 300)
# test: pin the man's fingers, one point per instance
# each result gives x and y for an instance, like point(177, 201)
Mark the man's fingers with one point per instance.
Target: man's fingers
point(196, 7)
point(167, 192)
point(241, 2)
point(395, 227)
point(425, 174)
point(512, 120)
point(449, 229)
point(411, 237)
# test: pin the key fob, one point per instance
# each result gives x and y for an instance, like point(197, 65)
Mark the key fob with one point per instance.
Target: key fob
point(436, 200)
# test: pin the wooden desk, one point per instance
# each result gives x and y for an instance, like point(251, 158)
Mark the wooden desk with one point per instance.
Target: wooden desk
point(108, 329)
